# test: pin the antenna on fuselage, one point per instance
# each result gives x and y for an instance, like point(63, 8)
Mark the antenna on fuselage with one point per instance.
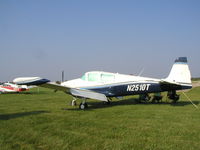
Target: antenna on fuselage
point(63, 74)
point(141, 72)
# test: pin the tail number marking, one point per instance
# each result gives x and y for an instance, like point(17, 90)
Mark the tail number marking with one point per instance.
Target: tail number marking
point(138, 87)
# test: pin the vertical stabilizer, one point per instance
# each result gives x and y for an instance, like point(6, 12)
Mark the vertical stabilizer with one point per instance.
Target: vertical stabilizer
point(180, 72)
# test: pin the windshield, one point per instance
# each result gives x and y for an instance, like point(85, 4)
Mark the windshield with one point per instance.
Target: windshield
point(83, 77)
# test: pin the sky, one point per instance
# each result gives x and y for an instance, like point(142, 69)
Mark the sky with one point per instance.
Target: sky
point(43, 37)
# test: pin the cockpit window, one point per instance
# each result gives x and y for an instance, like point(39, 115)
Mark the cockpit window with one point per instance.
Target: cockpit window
point(83, 77)
point(93, 77)
point(107, 77)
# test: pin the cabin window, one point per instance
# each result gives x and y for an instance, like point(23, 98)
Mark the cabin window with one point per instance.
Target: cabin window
point(107, 77)
point(93, 77)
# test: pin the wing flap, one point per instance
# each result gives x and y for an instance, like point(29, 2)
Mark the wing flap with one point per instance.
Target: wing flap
point(76, 92)
point(88, 94)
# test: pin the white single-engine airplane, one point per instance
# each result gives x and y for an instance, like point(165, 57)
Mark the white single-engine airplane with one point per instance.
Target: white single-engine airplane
point(104, 85)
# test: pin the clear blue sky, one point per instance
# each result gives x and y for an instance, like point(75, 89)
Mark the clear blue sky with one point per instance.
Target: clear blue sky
point(44, 37)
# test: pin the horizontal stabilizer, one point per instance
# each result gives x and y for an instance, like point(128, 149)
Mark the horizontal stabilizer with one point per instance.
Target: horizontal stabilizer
point(170, 85)
point(164, 81)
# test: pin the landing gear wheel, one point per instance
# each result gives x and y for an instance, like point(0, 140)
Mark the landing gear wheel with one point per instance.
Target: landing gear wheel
point(83, 106)
point(107, 103)
point(173, 96)
point(144, 98)
point(86, 105)
point(176, 98)
point(156, 99)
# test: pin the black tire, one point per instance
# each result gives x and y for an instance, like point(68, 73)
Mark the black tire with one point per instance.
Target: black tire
point(86, 105)
point(147, 98)
point(157, 99)
point(83, 106)
point(106, 103)
point(176, 98)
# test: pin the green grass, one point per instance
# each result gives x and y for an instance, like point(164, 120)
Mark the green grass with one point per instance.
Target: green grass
point(195, 79)
point(45, 121)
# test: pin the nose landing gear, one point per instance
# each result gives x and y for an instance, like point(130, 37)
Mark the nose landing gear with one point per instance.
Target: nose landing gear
point(83, 105)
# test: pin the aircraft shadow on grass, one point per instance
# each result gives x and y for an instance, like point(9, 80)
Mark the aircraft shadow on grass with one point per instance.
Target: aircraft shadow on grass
point(22, 114)
point(133, 101)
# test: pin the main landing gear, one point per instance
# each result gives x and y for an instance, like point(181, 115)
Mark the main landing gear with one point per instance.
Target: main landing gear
point(144, 98)
point(173, 96)
point(157, 97)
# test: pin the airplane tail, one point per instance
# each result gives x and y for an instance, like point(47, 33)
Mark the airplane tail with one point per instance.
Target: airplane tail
point(180, 72)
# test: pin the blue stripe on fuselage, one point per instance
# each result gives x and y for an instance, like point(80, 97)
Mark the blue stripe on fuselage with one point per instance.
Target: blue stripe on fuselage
point(127, 89)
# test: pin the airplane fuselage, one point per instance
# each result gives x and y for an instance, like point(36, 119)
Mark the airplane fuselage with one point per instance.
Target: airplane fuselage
point(114, 84)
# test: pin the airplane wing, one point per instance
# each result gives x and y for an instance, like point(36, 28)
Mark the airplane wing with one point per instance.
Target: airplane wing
point(75, 91)
point(55, 86)
point(72, 91)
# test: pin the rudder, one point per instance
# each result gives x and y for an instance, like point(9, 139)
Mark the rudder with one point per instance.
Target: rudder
point(180, 72)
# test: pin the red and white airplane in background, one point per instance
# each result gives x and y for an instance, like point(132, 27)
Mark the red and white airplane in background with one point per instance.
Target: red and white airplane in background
point(10, 87)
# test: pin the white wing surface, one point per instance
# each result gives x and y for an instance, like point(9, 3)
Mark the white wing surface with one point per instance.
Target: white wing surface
point(52, 85)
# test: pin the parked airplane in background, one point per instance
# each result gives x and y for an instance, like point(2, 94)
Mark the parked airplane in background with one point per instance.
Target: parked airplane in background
point(104, 85)
point(10, 87)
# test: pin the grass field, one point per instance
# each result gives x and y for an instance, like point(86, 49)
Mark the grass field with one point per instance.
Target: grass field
point(44, 120)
